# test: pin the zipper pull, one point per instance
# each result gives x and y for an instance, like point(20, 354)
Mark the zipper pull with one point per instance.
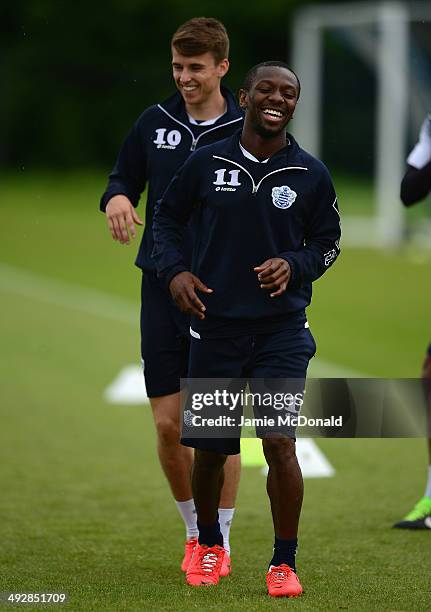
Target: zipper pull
point(194, 143)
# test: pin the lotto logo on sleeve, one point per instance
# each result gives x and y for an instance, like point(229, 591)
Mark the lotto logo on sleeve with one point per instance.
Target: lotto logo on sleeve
point(283, 197)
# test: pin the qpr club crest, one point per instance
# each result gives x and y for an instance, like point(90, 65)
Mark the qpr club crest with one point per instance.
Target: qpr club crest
point(283, 197)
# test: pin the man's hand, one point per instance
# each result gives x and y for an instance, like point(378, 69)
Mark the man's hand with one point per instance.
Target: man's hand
point(183, 290)
point(121, 217)
point(274, 274)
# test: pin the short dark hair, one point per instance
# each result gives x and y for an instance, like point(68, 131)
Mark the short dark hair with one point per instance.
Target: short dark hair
point(251, 74)
point(201, 35)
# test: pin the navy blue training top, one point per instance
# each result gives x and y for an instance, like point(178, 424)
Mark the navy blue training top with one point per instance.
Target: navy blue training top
point(157, 145)
point(245, 213)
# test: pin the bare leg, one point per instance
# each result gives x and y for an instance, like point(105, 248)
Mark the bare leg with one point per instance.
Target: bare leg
point(426, 382)
point(207, 482)
point(284, 486)
point(232, 473)
point(416, 517)
point(176, 460)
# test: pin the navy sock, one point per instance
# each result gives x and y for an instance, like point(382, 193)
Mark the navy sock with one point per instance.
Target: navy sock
point(284, 552)
point(210, 534)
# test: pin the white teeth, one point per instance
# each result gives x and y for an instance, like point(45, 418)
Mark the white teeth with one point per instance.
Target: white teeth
point(189, 88)
point(274, 113)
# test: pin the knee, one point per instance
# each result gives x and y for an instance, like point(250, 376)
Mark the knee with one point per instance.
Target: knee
point(209, 460)
point(279, 450)
point(168, 430)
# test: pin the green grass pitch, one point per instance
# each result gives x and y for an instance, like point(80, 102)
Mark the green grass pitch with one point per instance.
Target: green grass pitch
point(84, 508)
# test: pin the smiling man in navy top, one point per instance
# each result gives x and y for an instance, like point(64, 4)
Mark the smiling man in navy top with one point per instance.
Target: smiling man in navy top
point(164, 136)
point(267, 226)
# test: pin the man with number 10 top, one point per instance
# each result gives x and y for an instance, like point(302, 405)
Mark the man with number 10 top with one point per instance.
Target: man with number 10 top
point(268, 226)
point(164, 136)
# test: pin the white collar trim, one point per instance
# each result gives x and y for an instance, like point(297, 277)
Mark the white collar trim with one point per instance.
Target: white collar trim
point(207, 122)
point(248, 155)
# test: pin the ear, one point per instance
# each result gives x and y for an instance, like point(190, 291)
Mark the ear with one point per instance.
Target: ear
point(243, 97)
point(223, 67)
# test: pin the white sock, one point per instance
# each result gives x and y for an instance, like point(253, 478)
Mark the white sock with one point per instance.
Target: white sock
point(428, 489)
point(188, 512)
point(225, 516)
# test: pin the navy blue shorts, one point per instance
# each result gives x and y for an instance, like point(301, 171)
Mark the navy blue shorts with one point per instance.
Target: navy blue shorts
point(283, 354)
point(165, 338)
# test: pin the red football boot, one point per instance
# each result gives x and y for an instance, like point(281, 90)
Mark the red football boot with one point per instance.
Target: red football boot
point(205, 566)
point(188, 552)
point(283, 582)
point(226, 566)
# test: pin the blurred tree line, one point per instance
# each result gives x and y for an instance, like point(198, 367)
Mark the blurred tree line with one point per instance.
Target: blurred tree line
point(75, 75)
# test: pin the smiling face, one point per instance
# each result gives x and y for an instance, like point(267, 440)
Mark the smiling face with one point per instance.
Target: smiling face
point(197, 77)
point(271, 100)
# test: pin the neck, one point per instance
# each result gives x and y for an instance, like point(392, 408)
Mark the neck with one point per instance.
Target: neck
point(260, 147)
point(213, 107)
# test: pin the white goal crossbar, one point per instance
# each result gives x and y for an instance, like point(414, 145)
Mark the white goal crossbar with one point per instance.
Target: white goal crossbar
point(392, 19)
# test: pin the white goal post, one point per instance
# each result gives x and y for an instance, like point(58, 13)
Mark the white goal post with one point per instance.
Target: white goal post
point(392, 21)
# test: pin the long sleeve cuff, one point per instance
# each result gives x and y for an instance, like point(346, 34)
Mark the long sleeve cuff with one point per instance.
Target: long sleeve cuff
point(169, 275)
point(295, 277)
